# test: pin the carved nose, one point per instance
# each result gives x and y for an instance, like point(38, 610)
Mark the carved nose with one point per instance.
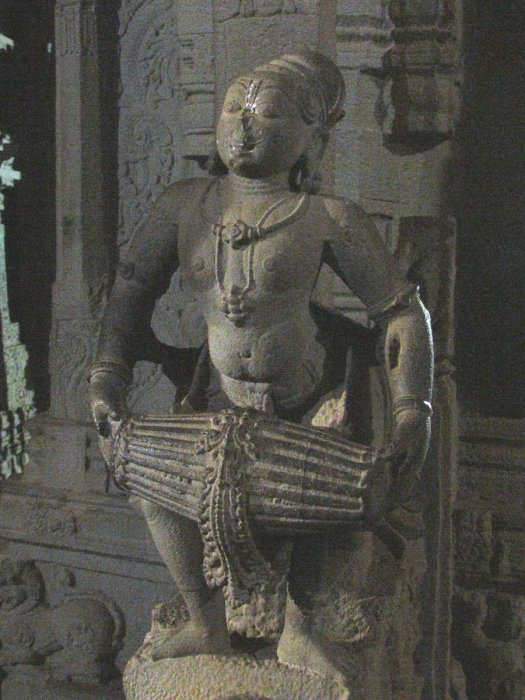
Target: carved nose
point(244, 133)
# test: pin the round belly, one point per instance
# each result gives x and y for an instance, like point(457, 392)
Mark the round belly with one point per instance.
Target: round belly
point(272, 354)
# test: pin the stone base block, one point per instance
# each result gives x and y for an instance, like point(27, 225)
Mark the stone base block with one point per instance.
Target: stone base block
point(209, 677)
point(23, 683)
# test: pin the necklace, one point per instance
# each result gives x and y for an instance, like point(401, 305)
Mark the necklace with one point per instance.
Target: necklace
point(248, 187)
point(240, 235)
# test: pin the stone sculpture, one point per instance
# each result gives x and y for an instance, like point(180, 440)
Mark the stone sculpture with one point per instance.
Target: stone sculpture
point(245, 468)
point(77, 640)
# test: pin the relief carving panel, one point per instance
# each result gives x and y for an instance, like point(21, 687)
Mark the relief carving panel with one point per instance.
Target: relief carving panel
point(76, 639)
point(163, 75)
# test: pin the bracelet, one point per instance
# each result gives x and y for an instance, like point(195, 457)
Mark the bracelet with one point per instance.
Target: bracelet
point(413, 403)
point(113, 367)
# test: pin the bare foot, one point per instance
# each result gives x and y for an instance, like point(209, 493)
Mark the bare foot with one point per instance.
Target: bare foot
point(189, 640)
point(302, 647)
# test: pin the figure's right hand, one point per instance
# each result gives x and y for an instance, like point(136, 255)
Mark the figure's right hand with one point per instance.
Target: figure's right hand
point(108, 401)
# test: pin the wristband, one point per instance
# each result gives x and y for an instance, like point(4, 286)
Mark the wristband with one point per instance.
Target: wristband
point(120, 369)
point(412, 403)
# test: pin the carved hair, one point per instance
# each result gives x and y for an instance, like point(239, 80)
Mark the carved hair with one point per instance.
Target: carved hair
point(317, 86)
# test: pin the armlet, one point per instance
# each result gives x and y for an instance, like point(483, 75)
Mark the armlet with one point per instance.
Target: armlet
point(392, 304)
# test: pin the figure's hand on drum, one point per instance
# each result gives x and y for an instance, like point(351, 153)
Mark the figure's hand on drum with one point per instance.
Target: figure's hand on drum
point(108, 401)
point(407, 451)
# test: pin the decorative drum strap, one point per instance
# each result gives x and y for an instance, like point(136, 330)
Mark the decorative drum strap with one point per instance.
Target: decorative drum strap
point(231, 557)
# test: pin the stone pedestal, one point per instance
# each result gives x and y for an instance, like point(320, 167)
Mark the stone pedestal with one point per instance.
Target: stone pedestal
point(26, 682)
point(224, 678)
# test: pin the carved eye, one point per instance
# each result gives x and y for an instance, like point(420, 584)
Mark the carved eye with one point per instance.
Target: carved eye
point(268, 112)
point(233, 106)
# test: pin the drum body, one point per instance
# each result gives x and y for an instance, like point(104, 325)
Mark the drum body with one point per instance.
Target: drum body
point(296, 479)
point(239, 473)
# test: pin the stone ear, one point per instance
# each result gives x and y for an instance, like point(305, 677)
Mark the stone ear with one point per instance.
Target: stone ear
point(309, 176)
point(318, 143)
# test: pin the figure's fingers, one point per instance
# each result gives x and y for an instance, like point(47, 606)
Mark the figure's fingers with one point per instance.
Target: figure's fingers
point(101, 415)
point(119, 412)
point(409, 474)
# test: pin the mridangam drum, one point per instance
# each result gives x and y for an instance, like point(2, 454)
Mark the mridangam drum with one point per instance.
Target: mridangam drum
point(294, 478)
point(239, 473)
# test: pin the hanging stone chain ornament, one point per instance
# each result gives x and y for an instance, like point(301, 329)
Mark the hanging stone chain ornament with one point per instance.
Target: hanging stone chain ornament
point(244, 474)
point(240, 235)
point(16, 400)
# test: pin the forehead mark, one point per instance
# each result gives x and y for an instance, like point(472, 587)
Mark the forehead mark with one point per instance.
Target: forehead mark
point(252, 91)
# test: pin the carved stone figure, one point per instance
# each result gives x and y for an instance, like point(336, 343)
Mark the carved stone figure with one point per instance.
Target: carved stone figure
point(77, 640)
point(256, 456)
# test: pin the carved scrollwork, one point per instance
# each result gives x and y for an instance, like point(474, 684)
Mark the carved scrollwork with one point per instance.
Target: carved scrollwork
point(231, 558)
point(157, 61)
point(262, 8)
point(54, 522)
point(148, 147)
point(145, 172)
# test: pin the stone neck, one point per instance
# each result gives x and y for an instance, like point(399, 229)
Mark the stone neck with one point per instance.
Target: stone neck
point(259, 186)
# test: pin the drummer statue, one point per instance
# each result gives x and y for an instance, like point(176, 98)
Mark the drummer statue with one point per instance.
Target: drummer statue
point(249, 244)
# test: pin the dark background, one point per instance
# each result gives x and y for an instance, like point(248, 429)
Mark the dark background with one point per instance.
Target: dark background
point(490, 307)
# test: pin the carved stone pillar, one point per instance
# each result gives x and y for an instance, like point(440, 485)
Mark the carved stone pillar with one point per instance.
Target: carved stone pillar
point(82, 249)
point(489, 593)
point(393, 154)
point(427, 252)
point(166, 118)
point(196, 78)
point(422, 67)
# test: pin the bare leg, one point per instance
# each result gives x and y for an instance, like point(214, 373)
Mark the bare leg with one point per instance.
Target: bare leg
point(300, 644)
point(179, 544)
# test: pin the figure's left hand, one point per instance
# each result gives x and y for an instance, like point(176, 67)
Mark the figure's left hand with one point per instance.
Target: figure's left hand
point(406, 453)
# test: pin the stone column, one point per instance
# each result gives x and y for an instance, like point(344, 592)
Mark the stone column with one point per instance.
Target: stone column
point(82, 249)
point(62, 450)
point(393, 156)
point(422, 66)
point(64, 513)
point(251, 32)
point(196, 78)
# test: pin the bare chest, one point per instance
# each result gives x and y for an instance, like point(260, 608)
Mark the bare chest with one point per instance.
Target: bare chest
point(266, 263)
